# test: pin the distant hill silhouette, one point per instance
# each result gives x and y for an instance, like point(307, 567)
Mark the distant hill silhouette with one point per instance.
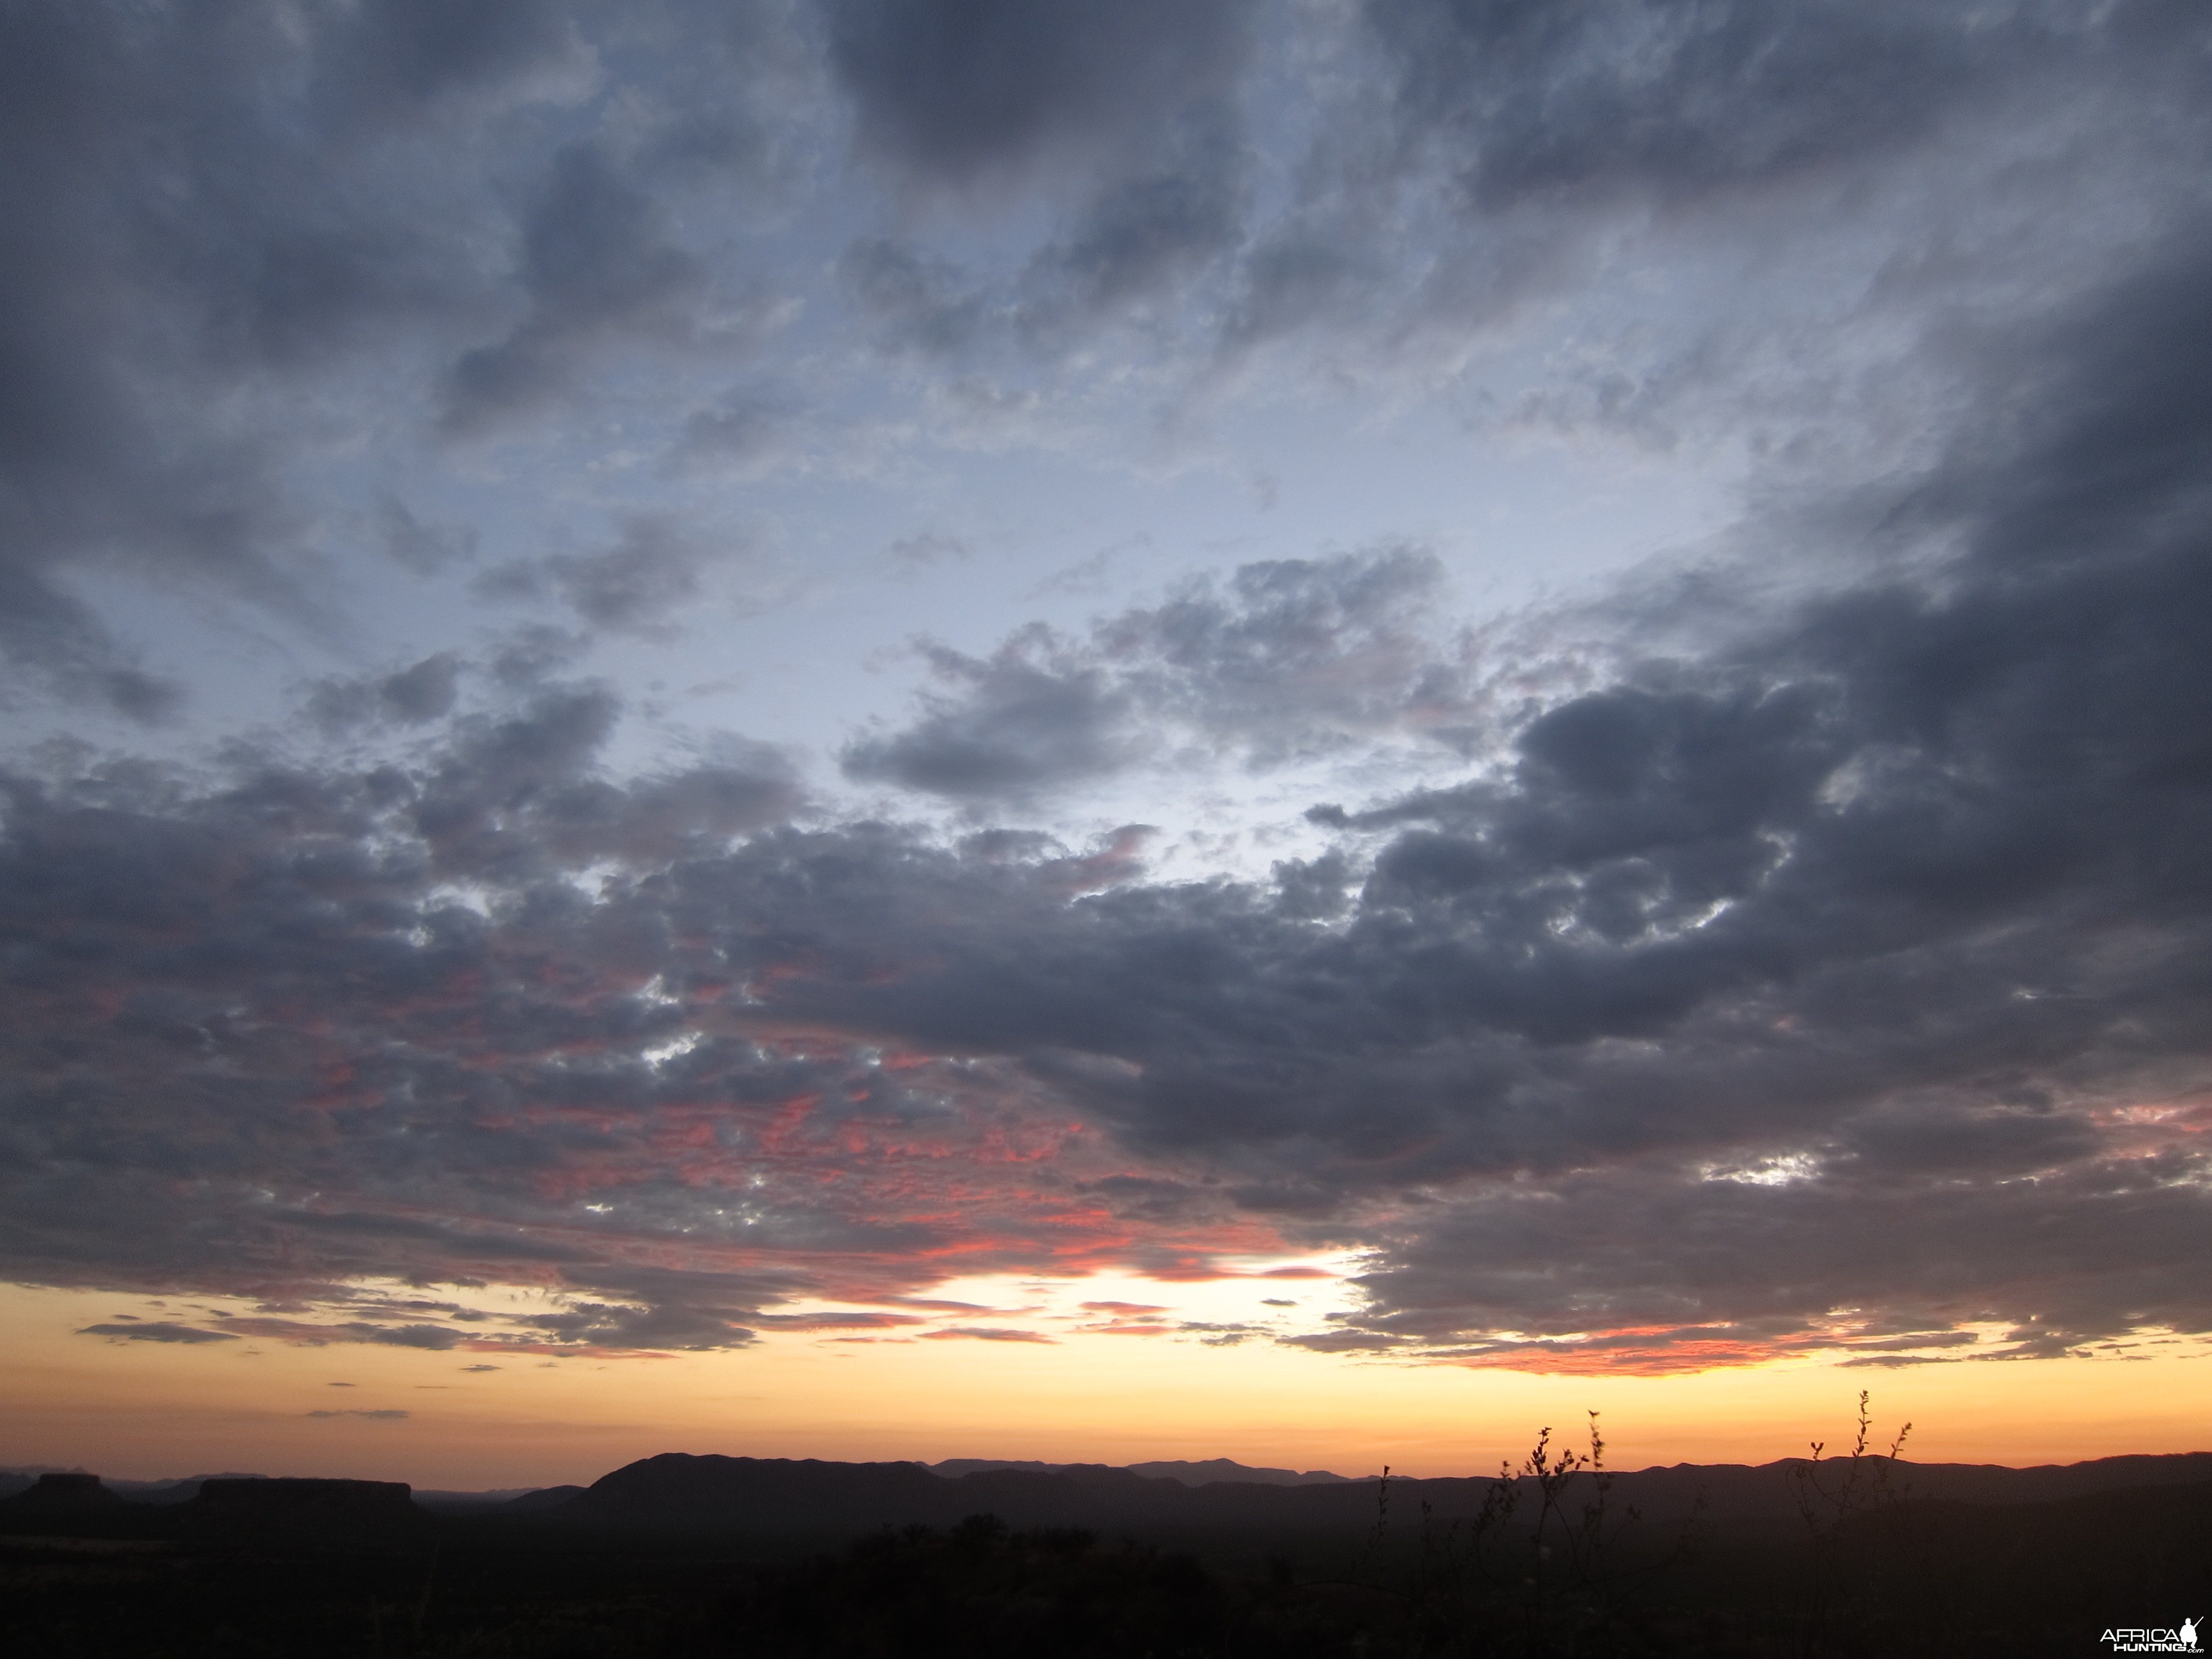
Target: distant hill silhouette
point(135, 1492)
point(771, 1497)
point(1210, 1472)
point(677, 1556)
point(514, 1499)
point(676, 1492)
point(253, 1509)
point(58, 1497)
point(544, 1497)
point(1215, 1471)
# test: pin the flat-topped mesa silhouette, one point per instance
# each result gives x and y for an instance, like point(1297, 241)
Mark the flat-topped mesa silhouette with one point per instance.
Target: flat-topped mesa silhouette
point(677, 1491)
point(136, 1493)
point(306, 1507)
point(73, 1495)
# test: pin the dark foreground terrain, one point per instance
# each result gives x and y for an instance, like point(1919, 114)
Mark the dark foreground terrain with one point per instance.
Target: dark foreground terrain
point(699, 1556)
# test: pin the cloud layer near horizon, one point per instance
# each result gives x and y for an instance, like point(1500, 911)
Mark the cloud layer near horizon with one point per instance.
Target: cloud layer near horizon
point(1805, 948)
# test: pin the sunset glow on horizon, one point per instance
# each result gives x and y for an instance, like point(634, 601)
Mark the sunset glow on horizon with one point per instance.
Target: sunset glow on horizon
point(1045, 729)
point(1066, 1388)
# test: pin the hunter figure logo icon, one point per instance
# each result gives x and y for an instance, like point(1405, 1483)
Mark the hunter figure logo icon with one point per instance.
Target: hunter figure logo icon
point(2180, 1638)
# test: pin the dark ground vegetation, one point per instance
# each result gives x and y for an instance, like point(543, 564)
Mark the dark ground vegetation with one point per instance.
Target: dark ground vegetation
point(1550, 1565)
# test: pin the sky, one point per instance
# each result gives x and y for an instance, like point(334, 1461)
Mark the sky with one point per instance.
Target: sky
point(1310, 729)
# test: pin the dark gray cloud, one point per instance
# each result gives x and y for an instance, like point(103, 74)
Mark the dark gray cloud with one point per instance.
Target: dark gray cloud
point(1521, 148)
point(959, 90)
point(634, 585)
point(212, 216)
point(1025, 720)
point(408, 696)
point(159, 1330)
point(742, 434)
point(1840, 983)
point(653, 573)
point(1886, 918)
point(1829, 968)
point(1679, 101)
point(484, 210)
point(174, 247)
point(396, 60)
point(423, 548)
point(921, 302)
point(385, 1416)
point(517, 793)
point(1678, 105)
point(2047, 1252)
point(1143, 232)
point(677, 1322)
point(1313, 267)
point(1140, 239)
point(1129, 116)
point(1286, 660)
point(597, 263)
point(362, 1074)
point(1862, 925)
point(1292, 656)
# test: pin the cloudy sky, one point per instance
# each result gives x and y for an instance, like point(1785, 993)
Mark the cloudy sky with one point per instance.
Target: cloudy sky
point(929, 703)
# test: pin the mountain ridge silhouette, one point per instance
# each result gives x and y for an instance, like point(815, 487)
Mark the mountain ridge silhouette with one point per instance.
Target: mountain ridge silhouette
point(683, 1492)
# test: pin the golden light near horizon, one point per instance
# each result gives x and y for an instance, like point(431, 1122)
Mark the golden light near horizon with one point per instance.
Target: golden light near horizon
point(1089, 1395)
